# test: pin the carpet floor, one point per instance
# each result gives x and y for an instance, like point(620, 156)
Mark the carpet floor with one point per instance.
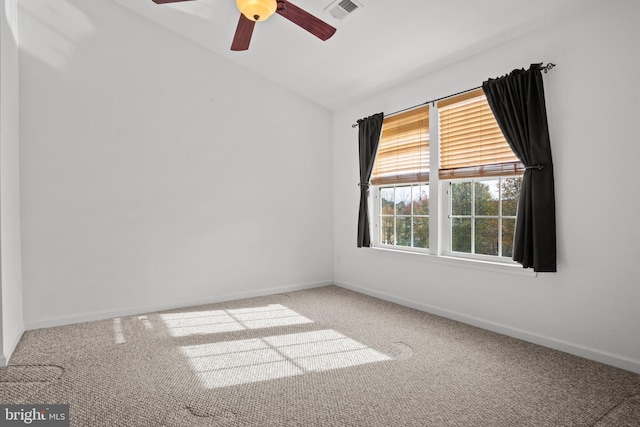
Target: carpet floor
point(318, 357)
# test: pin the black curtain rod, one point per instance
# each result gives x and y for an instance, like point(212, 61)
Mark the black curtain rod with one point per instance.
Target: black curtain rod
point(545, 69)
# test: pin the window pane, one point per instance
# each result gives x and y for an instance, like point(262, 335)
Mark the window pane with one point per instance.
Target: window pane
point(387, 234)
point(461, 199)
point(461, 235)
point(403, 200)
point(420, 199)
point(386, 201)
point(508, 229)
point(421, 232)
point(403, 225)
point(487, 197)
point(486, 236)
point(510, 195)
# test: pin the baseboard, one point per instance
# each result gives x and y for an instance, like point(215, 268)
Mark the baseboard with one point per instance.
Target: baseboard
point(607, 358)
point(13, 343)
point(131, 311)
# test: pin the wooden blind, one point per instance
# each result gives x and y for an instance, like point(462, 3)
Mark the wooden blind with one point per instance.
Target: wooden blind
point(403, 151)
point(471, 142)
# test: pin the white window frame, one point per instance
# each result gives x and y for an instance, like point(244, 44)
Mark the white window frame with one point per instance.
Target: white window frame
point(378, 216)
point(439, 221)
point(448, 218)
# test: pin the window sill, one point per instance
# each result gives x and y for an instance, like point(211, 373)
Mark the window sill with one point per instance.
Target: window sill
point(476, 264)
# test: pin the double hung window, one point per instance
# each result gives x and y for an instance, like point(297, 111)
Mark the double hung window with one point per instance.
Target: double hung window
point(401, 174)
point(474, 193)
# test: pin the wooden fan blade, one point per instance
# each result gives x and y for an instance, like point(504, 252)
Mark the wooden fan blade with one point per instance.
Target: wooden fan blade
point(304, 19)
point(244, 30)
point(167, 1)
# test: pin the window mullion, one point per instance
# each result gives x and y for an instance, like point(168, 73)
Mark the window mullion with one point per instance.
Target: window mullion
point(436, 207)
point(411, 212)
point(473, 216)
point(500, 216)
point(395, 216)
point(377, 226)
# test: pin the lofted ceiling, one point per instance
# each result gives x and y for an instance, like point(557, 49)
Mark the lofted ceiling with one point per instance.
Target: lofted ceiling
point(381, 44)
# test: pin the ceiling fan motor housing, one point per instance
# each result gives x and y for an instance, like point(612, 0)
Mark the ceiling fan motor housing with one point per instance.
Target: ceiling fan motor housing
point(257, 10)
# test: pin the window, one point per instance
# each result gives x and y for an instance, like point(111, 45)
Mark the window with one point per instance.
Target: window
point(475, 192)
point(404, 215)
point(482, 215)
point(401, 171)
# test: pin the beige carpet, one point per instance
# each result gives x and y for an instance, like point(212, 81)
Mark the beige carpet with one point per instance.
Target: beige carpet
point(320, 357)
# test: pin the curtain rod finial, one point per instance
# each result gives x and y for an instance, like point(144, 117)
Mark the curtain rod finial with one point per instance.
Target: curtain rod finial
point(548, 67)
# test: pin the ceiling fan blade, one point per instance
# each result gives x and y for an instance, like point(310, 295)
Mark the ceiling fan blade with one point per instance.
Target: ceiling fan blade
point(166, 1)
point(304, 19)
point(244, 30)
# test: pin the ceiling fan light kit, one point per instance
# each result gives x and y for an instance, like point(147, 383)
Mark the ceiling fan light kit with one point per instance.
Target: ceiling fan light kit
point(257, 10)
point(252, 11)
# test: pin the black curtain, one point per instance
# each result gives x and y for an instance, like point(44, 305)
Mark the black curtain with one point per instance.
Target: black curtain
point(368, 139)
point(517, 101)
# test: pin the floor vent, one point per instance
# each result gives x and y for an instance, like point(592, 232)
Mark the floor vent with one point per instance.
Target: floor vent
point(340, 9)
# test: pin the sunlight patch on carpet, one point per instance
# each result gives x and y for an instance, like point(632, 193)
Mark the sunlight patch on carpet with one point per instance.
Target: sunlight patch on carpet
point(225, 364)
point(118, 332)
point(145, 321)
point(218, 321)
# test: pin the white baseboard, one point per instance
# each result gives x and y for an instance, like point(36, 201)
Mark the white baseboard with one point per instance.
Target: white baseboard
point(131, 311)
point(12, 344)
point(607, 358)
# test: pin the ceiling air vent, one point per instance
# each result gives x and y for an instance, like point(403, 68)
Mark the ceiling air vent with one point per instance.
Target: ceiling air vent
point(340, 9)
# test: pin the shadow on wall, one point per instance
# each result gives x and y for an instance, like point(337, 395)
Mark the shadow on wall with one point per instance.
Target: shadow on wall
point(51, 32)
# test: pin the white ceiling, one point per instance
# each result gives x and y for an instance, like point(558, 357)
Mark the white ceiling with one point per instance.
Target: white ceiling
point(380, 45)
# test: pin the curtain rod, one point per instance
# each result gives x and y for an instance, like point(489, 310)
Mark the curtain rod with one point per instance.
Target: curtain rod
point(545, 68)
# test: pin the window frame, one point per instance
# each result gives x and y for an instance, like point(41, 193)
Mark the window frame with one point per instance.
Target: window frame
point(379, 215)
point(439, 247)
point(447, 238)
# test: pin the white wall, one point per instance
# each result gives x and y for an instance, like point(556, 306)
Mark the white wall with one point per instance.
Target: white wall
point(590, 307)
point(155, 174)
point(11, 321)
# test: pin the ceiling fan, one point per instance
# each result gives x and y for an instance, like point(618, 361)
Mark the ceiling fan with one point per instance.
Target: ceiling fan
point(252, 11)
